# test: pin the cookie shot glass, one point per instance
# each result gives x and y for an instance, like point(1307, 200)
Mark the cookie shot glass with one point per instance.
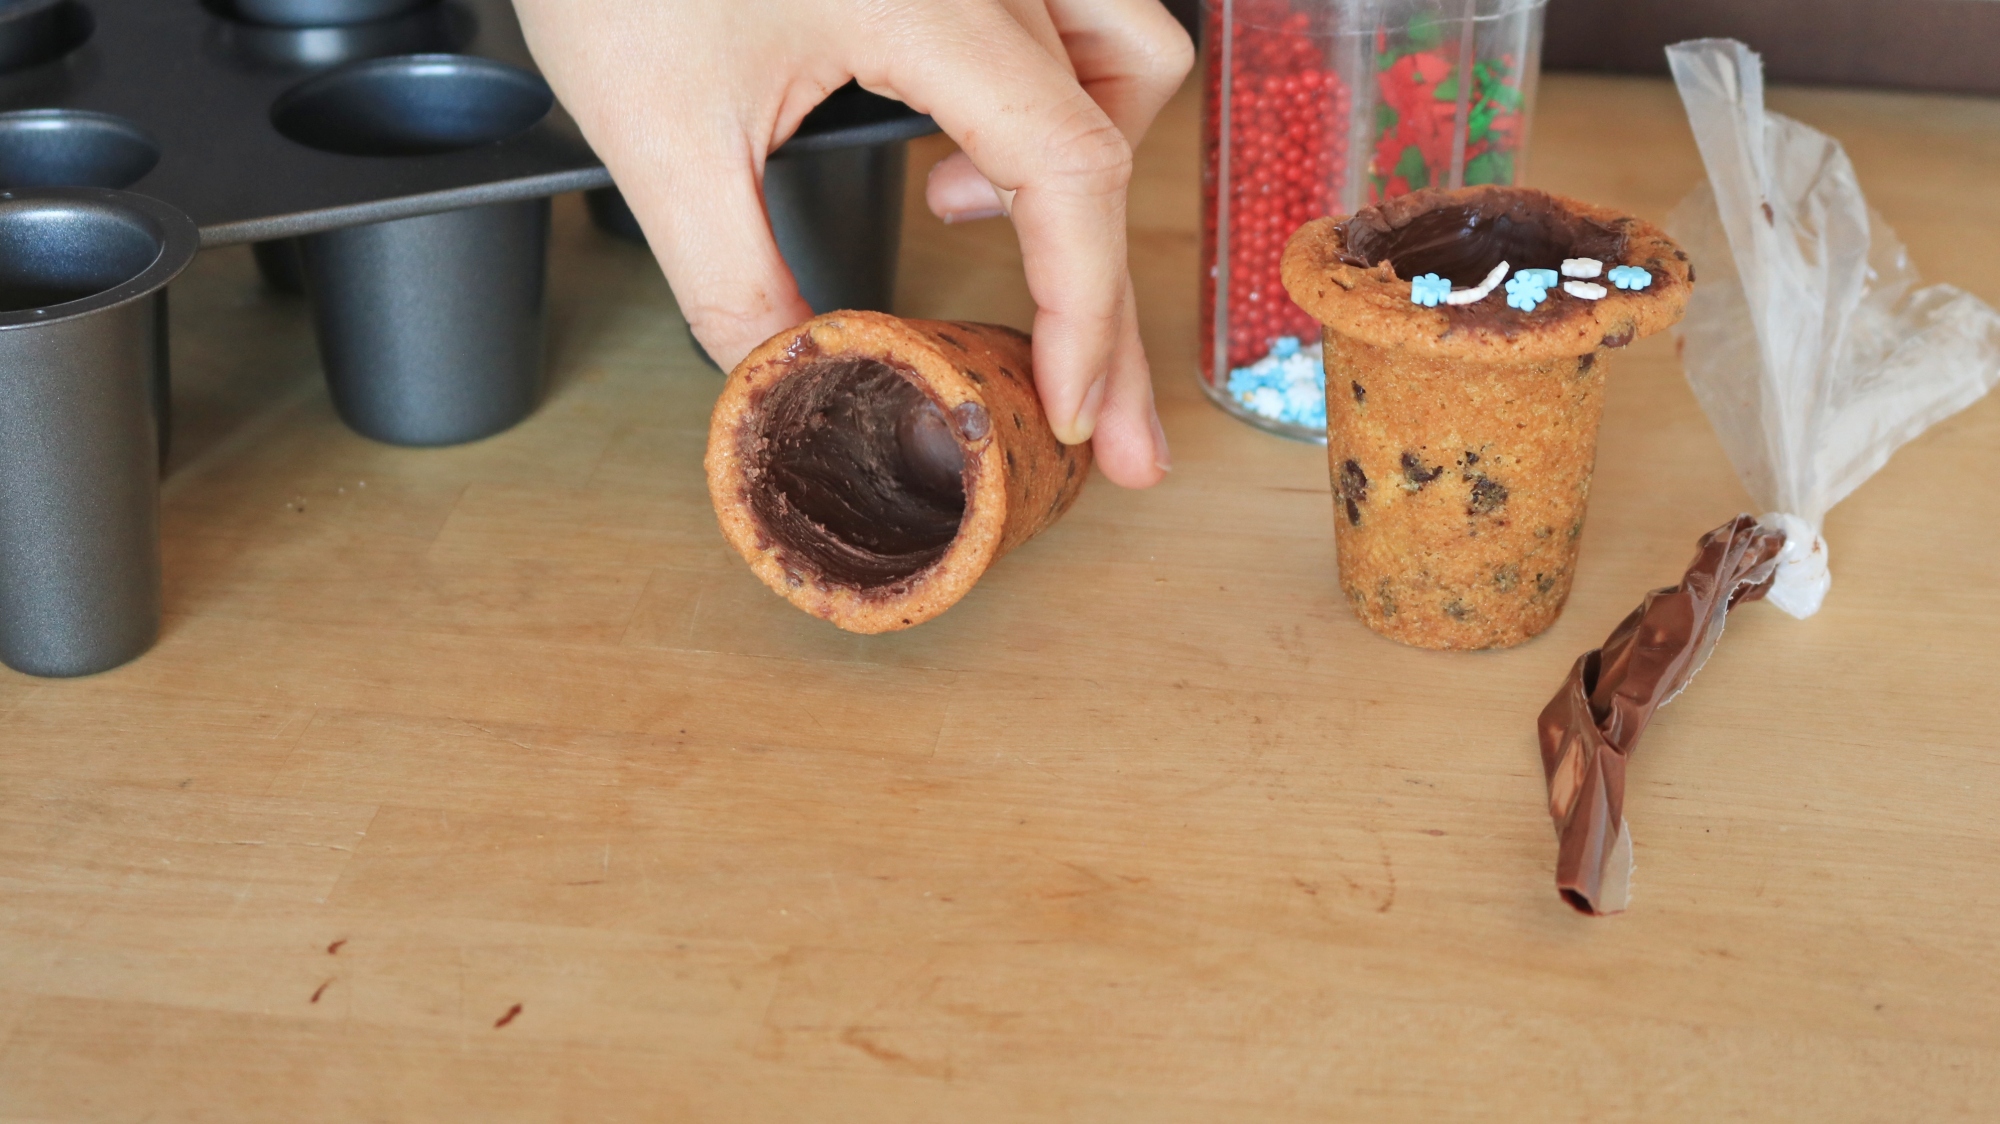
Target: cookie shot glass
point(1465, 333)
point(870, 469)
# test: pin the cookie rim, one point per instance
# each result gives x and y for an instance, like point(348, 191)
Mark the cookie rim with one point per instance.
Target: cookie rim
point(1372, 304)
point(883, 338)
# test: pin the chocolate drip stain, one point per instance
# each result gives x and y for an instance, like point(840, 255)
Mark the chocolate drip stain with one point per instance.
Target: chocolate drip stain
point(863, 477)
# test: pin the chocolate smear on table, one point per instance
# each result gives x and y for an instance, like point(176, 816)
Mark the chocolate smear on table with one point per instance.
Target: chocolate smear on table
point(1590, 728)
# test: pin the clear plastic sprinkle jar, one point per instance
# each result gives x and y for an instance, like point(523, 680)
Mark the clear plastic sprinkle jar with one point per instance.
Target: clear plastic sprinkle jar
point(1317, 107)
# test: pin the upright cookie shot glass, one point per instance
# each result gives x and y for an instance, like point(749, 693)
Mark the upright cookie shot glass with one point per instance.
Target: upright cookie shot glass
point(1464, 334)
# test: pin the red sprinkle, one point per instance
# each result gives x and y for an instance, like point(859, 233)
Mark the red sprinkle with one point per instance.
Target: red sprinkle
point(1288, 114)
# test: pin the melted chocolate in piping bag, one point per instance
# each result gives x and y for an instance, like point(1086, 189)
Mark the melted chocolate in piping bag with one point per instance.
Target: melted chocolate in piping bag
point(858, 474)
point(1590, 728)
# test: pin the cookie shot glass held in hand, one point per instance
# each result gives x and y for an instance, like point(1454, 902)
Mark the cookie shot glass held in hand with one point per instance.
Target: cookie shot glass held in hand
point(871, 469)
point(1318, 107)
point(1465, 335)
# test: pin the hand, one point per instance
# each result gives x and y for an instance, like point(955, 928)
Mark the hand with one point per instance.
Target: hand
point(684, 100)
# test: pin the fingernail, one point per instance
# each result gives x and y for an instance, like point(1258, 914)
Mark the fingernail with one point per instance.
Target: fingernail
point(1085, 422)
point(1163, 458)
point(973, 215)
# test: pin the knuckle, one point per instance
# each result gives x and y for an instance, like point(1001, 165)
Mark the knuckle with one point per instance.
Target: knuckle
point(718, 319)
point(1090, 151)
point(724, 325)
point(1169, 55)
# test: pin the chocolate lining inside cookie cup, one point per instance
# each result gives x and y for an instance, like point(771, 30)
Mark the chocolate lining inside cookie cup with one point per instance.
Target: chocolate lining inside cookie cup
point(1353, 274)
point(870, 469)
point(865, 478)
point(1461, 239)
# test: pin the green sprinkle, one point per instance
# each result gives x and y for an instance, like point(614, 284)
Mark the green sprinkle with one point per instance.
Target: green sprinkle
point(1490, 167)
point(1425, 32)
point(1411, 167)
point(1479, 121)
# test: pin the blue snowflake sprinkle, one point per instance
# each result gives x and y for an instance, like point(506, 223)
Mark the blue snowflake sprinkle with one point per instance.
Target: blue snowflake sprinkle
point(1629, 277)
point(1288, 387)
point(1529, 288)
point(1428, 289)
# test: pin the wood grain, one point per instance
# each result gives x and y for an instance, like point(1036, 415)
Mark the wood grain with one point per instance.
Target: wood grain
point(1147, 828)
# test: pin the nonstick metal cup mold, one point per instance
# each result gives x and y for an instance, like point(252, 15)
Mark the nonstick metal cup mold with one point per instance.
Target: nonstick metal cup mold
point(33, 32)
point(430, 328)
point(317, 13)
point(834, 195)
point(81, 148)
point(82, 274)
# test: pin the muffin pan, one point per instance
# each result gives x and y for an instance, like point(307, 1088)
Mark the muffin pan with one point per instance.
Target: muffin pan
point(255, 140)
point(393, 158)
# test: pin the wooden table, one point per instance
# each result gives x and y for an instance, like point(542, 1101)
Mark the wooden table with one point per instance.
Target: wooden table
point(484, 784)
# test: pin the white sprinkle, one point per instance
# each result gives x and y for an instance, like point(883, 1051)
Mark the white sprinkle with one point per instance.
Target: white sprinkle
point(1582, 267)
point(1584, 290)
point(1481, 291)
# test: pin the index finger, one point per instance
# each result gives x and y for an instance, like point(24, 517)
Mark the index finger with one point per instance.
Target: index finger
point(1129, 55)
point(1029, 127)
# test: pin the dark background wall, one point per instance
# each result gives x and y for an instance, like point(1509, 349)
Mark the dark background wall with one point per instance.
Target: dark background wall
point(1911, 44)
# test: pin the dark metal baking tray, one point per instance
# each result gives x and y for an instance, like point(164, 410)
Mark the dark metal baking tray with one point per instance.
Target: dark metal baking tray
point(201, 82)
